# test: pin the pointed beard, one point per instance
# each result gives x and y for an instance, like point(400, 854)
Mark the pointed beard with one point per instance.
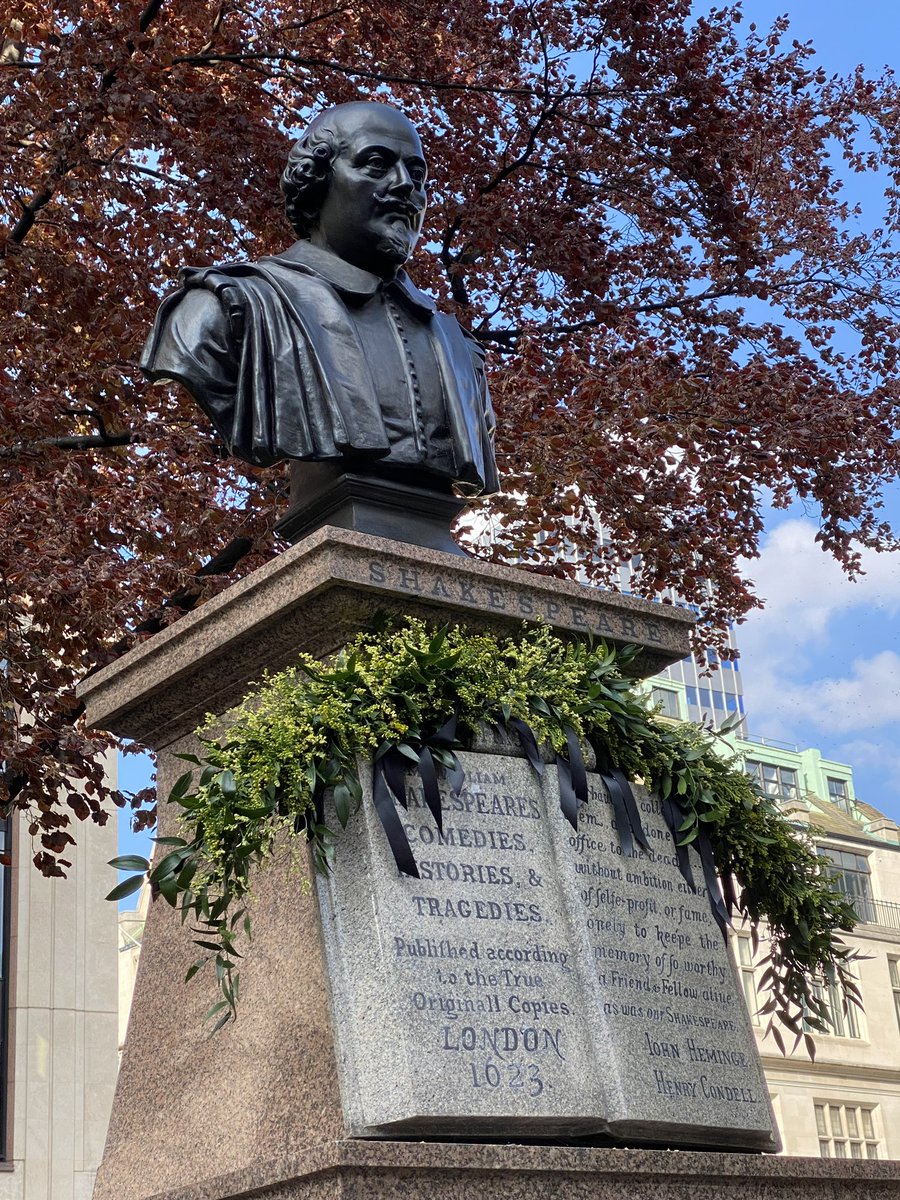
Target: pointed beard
point(395, 247)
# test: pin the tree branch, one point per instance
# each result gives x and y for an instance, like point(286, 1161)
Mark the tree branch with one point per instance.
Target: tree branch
point(92, 441)
point(150, 13)
point(29, 215)
point(511, 336)
point(62, 167)
point(297, 60)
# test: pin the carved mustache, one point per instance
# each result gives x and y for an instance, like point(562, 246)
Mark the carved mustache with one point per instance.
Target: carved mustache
point(406, 208)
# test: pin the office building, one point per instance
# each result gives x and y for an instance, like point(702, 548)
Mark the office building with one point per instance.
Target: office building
point(59, 1015)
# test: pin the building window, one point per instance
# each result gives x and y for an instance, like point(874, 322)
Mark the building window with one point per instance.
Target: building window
point(851, 874)
point(894, 968)
point(841, 1015)
point(666, 700)
point(846, 1131)
point(774, 781)
point(744, 955)
point(839, 793)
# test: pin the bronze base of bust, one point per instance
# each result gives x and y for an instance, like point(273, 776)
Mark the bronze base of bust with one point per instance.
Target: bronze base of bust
point(405, 506)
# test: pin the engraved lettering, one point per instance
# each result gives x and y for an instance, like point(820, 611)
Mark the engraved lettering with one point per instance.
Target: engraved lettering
point(668, 1086)
point(465, 591)
point(495, 598)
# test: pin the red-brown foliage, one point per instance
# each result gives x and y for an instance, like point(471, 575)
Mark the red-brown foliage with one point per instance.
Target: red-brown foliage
point(639, 212)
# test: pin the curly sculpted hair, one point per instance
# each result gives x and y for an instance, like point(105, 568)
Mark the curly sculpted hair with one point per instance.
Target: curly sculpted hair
point(304, 180)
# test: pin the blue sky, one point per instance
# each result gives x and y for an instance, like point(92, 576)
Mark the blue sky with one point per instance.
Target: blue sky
point(821, 665)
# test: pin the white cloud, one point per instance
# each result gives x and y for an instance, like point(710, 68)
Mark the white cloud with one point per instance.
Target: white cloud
point(884, 758)
point(804, 588)
point(798, 675)
point(821, 663)
point(868, 697)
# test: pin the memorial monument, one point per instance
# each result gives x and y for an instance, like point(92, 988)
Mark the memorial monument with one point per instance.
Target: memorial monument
point(536, 983)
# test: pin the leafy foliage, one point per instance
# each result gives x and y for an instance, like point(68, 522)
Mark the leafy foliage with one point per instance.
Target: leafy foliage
point(301, 731)
point(634, 205)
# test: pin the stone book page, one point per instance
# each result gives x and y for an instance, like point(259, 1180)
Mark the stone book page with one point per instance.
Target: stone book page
point(534, 981)
point(668, 1011)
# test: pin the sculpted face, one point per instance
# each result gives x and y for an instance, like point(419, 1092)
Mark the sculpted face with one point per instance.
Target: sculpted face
point(373, 210)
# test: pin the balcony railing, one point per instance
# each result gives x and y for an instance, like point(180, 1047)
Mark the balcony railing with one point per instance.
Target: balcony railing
point(767, 741)
point(877, 912)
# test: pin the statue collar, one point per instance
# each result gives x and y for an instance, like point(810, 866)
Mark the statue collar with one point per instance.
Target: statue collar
point(350, 282)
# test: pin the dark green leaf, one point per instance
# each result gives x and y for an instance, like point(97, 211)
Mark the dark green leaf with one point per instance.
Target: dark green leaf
point(168, 864)
point(168, 888)
point(126, 887)
point(197, 966)
point(343, 804)
point(182, 783)
point(227, 784)
point(130, 862)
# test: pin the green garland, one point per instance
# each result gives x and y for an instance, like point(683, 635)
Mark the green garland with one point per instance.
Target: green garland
point(408, 690)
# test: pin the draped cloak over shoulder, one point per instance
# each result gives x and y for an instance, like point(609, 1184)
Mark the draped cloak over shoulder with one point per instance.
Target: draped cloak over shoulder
point(271, 353)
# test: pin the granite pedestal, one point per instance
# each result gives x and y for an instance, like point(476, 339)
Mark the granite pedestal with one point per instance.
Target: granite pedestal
point(350, 1024)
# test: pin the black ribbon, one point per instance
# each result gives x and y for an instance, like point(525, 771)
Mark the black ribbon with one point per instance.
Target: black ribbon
point(568, 801)
point(445, 737)
point(394, 768)
point(455, 775)
point(576, 759)
point(626, 816)
point(620, 812)
point(711, 879)
point(389, 781)
point(428, 775)
point(572, 775)
point(674, 816)
point(527, 742)
point(389, 784)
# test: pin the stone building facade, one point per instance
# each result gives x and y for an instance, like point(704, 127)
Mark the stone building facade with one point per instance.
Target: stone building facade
point(60, 1015)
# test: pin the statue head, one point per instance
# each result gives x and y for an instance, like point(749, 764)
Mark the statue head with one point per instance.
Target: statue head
point(354, 184)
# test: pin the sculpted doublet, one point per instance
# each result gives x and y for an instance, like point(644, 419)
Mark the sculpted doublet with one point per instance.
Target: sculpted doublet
point(303, 355)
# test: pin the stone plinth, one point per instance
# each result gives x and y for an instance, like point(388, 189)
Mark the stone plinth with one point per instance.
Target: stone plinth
point(358, 1170)
point(279, 1090)
point(321, 592)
